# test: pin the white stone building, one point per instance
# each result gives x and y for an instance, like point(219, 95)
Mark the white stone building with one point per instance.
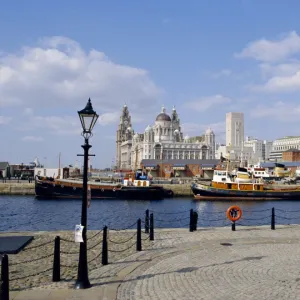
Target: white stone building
point(234, 129)
point(283, 144)
point(163, 140)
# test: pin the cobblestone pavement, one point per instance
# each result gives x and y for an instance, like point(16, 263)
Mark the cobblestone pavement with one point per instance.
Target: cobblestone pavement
point(214, 263)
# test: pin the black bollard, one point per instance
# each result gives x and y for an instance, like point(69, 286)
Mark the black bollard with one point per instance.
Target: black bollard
point(151, 227)
point(191, 220)
point(56, 260)
point(273, 219)
point(195, 220)
point(139, 236)
point(147, 221)
point(4, 283)
point(104, 247)
point(233, 226)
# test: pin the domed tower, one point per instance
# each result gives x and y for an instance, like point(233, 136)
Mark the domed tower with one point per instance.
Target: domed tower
point(210, 141)
point(162, 127)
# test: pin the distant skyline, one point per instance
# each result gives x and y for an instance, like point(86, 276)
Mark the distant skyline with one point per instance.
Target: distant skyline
point(205, 57)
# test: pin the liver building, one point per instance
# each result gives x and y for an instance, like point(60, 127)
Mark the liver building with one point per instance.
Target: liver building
point(162, 141)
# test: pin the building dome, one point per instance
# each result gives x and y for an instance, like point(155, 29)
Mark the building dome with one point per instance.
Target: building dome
point(129, 129)
point(163, 117)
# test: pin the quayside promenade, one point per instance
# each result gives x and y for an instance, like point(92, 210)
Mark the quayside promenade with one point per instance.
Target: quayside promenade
point(210, 263)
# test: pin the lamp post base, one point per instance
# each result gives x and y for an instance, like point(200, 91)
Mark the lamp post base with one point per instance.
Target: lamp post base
point(80, 285)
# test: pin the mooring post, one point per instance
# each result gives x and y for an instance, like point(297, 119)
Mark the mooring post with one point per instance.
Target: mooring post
point(273, 219)
point(147, 221)
point(4, 284)
point(151, 227)
point(56, 260)
point(195, 220)
point(191, 220)
point(139, 236)
point(104, 247)
point(233, 226)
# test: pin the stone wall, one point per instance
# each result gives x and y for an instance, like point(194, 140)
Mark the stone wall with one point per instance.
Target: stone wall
point(179, 190)
point(17, 188)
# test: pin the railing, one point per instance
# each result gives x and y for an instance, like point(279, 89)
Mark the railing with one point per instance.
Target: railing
point(109, 244)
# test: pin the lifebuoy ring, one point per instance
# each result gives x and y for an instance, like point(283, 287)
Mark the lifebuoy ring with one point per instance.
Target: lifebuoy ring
point(234, 213)
point(114, 189)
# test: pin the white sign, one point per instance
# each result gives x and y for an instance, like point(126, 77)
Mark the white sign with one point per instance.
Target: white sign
point(78, 234)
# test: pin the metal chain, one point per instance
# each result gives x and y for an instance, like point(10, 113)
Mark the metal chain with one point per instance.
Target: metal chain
point(122, 242)
point(30, 260)
point(37, 246)
point(123, 249)
point(92, 247)
point(69, 252)
point(31, 275)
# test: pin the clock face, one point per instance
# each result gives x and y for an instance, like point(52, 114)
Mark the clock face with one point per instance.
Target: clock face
point(125, 122)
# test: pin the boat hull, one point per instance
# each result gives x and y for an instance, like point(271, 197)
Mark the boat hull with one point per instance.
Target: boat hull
point(53, 189)
point(201, 191)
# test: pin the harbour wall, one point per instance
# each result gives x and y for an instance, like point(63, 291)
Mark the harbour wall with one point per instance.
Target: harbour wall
point(9, 188)
point(15, 188)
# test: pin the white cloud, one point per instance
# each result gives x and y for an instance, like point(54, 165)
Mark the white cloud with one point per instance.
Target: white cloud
point(109, 118)
point(272, 50)
point(5, 120)
point(30, 138)
point(28, 111)
point(65, 125)
point(285, 69)
point(284, 112)
point(206, 103)
point(59, 72)
point(198, 129)
point(222, 73)
point(281, 84)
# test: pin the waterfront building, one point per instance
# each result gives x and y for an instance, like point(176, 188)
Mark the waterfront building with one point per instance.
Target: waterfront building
point(4, 169)
point(170, 168)
point(283, 144)
point(164, 140)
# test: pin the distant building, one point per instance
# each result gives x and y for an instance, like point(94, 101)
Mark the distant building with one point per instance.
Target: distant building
point(291, 155)
point(170, 168)
point(234, 129)
point(4, 169)
point(283, 144)
point(163, 140)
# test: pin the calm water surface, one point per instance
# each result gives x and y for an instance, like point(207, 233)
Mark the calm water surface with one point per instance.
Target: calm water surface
point(19, 213)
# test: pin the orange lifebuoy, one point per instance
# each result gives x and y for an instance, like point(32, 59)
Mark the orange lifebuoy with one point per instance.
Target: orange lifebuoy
point(234, 213)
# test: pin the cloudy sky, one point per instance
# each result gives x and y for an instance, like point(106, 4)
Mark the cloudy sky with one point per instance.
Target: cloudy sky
point(205, 57)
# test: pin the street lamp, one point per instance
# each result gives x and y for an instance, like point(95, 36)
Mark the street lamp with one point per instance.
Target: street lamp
point(88, 118)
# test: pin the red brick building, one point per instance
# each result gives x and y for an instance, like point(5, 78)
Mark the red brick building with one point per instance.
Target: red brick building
point(291, 155)
point(180, 167)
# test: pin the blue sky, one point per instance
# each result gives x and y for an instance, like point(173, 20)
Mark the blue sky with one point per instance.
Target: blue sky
point(205, 57)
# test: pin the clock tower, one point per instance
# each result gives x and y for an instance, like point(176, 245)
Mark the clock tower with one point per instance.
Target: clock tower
point(124, 133)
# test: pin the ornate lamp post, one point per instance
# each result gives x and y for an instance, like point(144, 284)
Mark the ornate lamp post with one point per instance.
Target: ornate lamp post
point(88, 118)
